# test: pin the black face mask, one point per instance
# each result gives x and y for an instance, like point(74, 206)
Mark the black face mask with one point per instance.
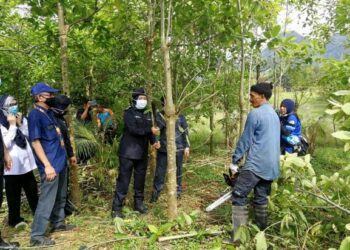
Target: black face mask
point(51, 102)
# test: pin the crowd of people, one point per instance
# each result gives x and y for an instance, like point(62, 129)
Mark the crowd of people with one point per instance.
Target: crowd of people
point(42, 142)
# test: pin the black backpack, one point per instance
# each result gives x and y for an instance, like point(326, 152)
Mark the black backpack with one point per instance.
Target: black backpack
point(303, 146)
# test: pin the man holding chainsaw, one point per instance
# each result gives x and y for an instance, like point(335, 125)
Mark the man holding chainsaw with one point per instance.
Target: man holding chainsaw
point(260, 144)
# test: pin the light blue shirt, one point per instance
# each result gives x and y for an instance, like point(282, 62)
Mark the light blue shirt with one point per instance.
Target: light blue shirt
point(260, 142)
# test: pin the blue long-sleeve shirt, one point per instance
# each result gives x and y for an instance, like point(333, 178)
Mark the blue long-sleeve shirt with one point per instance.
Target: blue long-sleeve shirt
point(260, 142)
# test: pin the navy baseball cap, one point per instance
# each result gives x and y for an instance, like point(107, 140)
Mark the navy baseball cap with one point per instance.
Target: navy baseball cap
point(41, 87)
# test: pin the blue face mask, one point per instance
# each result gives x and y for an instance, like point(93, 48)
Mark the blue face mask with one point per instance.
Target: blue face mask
point(13, 109)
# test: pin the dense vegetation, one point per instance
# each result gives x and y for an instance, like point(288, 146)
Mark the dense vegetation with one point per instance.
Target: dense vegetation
point(218, 48)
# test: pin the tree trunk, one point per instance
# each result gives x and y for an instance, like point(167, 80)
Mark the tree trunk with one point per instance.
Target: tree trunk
point(63, 29)
point(170, 115)
point(149, 86)
point(241, 85)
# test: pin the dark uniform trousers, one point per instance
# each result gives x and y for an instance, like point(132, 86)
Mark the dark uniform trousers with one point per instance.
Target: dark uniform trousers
point(123, 180)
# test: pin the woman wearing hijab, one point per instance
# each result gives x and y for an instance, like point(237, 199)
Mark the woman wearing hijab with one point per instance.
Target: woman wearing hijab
point(290, 127)
point(14, 130)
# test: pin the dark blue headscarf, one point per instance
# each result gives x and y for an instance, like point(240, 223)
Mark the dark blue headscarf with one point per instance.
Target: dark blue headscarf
point(289, 105)
point(20, 139)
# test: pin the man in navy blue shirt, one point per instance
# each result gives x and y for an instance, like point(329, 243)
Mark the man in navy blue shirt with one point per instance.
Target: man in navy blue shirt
point(50, 155)
point(260, 145)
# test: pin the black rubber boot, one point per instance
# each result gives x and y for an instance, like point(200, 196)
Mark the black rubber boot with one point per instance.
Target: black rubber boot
point(140, 207)
point(154, 197)
point(239, 217)
point(117, 213)
point(261, 216)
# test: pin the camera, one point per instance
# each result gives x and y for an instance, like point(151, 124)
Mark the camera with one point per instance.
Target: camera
point(92, 103)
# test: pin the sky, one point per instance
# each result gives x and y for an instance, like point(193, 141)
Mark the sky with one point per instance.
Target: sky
point(297, 19)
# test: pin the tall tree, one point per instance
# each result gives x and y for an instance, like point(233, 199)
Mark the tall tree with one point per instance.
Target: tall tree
point(170, 112)
point(63, 30)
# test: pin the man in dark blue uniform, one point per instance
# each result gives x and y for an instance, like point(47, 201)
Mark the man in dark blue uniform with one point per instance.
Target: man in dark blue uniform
point(133, 153)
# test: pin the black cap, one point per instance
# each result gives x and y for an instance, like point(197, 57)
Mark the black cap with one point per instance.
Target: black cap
point(137, 92)
point(263, 89)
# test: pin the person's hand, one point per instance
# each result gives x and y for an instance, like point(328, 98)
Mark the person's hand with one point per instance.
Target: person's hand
point(11, 119)
point(50, 173)
point(156, 145)
point(73, 161)
point(8, 161)
point(19, 119)
point(187, 152)
point(155, 130)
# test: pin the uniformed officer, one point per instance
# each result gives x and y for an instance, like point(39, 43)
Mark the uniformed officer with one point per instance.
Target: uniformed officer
point(133, 153)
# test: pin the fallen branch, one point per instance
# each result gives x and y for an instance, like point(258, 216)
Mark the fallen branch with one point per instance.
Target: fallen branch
point(329, 201)
point(180, 236)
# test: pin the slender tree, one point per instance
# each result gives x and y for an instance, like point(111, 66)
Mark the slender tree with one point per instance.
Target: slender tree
point(63, 30)
point(170, 112)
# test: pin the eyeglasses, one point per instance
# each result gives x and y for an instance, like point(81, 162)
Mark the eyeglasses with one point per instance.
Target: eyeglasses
point(46, 96)
point(12, 104)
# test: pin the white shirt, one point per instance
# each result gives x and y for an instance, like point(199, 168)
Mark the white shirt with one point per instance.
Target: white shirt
point(22, 159)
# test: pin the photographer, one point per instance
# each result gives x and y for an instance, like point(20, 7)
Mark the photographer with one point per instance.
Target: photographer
point(84, 114)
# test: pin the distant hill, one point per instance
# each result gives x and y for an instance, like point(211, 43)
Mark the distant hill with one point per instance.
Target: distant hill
point(337, 47)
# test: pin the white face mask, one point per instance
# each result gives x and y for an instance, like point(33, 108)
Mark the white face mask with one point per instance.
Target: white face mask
point(141, 104)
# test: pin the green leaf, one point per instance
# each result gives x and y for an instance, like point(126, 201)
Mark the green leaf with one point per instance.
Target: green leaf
point(275, 30)
point(345, 244)
point(307, 158)
point(332, 111)
point(267, 34)
point(297, 161)
point(260, 241)
point(118, 223)
point(307, 183)
point(347, 226)
point(342, 135)
point(347, 147)
point(242, 234)
point(153, 229)
point(188, 219)
point(165, 227)
point(153, 238)
point(346, 108)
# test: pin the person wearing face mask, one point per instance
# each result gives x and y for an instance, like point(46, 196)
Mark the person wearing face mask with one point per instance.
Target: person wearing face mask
point(14, 130)
point(133, 152)
point(47, 141)
point(290, 127)
point(59, 105)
